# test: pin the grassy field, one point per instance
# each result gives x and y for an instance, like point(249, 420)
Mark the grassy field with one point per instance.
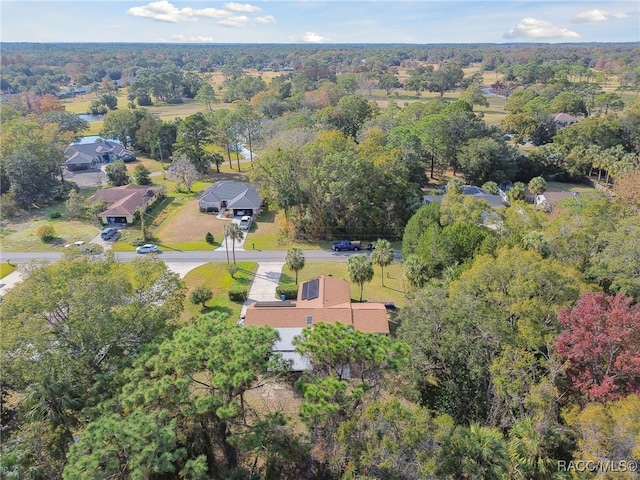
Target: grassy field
point(22, 236)
point(569, 187)
point(6, 269)
point(392, 291)
point(216, 277)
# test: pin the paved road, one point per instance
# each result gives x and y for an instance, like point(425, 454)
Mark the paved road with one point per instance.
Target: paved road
point(177, 256)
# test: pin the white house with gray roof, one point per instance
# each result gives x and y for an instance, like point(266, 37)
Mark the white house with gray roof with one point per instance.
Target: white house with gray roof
point(242, 198)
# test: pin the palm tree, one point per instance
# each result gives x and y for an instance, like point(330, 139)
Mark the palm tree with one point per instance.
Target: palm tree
point(360, 270)
point(529, 450)
point(537, 186)
point(234, 233)
point(55, 401)
point(226, 242)
point(295, 260)
point(475, 452)
point(382, 255)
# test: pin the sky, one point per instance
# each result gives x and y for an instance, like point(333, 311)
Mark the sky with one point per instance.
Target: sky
point(329, 21)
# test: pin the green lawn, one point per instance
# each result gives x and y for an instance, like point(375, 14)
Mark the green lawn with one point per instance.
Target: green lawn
point(23, 236)
point(569, 187)
point(6, 269)
point(392, 291)
point(215, 276)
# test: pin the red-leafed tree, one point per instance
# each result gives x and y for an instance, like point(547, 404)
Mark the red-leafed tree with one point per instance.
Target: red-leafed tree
point(601, 342)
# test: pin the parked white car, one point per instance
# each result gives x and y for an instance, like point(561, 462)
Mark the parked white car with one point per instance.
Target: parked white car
point(245, 222)
point(147, 248)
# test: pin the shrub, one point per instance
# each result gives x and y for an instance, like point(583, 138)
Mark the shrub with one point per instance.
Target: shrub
point(491, 187)
point(209, 238)
point(517, 192)
point(136, 242)
point(54, 215)
point(289, 290)
point(46, 233)
point(10, 207)
point(201, 295)
point(93, 248)
point(238, 294)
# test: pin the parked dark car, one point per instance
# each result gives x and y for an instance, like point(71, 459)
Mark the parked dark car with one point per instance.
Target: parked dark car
point(108, 232)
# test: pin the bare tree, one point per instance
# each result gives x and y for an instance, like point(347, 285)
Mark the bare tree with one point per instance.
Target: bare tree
point(367, 82)
point(183, 172)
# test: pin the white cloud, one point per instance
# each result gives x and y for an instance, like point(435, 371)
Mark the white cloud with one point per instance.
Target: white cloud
point(239, 21)
point(619, 15)
point(191, 39)
point(534, 29)
point(212, 13)
point(596, 15)
point(312, 37)
point(241, 7)
point(266, 19)
point(163, 11)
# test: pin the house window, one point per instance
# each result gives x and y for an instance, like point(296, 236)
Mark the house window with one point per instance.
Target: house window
point(309, 320)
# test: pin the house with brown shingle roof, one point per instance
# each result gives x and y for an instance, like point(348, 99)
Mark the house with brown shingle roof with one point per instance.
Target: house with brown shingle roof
point(325, 299)
point(124, 202)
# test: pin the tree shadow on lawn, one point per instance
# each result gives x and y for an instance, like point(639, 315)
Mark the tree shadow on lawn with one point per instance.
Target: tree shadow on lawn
point(216, 309)
point(287, 279)
point(390, 277)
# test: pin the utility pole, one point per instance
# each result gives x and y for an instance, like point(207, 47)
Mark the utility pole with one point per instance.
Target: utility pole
point(161, 160)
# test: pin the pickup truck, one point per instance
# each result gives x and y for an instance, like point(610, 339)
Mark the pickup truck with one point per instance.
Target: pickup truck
point(349, 245)
point(346, 245)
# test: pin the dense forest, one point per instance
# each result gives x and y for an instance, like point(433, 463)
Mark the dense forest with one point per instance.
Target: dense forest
point(44, 68)
point(516, 355)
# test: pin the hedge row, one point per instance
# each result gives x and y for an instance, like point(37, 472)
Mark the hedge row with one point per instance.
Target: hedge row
point(238, 294)
point(290, 291)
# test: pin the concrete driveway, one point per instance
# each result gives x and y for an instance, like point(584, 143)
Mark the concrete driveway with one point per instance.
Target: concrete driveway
point(265, 282)
point(86, 178)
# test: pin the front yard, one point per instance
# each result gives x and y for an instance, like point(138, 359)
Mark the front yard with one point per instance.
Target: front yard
point(22, 235)
point(216, 277)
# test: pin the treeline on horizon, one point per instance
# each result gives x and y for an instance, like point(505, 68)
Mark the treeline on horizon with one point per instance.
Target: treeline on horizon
point(255, 55)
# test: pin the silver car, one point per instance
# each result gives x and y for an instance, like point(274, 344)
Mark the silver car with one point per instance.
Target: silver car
point(147, 248)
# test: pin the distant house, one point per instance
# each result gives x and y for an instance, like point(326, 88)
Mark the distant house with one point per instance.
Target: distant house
point(242, 198)
point(563, 120)
point(123, 203)
point(495, 201)
point(324, 299)
point(90, 156)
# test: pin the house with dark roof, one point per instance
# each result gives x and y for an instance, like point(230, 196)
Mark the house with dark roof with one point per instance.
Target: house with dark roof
point(324, 299)
point(90, 156)
point(242, 198)
point(563, 120)
point(494, 201)
point(123, 203)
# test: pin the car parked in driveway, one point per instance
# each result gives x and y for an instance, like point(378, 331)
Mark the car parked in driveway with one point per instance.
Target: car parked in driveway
point(108, 232)
point(245, 222)
point(147, 248)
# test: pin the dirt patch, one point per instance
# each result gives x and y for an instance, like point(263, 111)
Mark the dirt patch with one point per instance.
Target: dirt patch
point(186, 223)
